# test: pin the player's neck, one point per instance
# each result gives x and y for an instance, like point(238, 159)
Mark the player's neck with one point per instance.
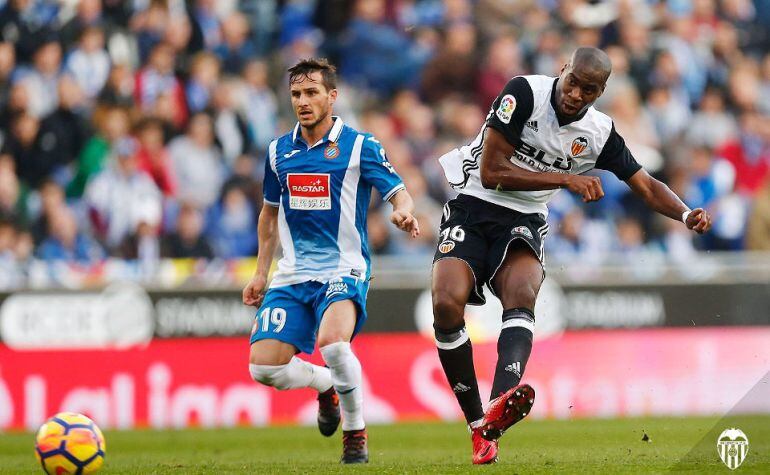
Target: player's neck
point(312, 135)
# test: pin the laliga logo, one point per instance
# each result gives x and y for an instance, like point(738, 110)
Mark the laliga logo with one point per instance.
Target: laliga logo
point(732, 446)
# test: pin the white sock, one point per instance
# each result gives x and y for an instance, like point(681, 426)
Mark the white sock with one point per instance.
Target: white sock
point(297, 373)
point(346, 376)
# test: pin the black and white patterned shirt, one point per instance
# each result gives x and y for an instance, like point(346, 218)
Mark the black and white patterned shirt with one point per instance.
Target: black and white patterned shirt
point(525, 114)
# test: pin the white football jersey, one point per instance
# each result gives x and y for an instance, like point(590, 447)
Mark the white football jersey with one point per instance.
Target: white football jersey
point(525, 114)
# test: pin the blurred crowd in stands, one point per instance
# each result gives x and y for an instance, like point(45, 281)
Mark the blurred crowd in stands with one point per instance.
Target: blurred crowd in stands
point(138, 129)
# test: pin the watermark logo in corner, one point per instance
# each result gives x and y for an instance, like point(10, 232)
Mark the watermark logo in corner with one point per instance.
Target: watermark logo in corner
point(732, 446)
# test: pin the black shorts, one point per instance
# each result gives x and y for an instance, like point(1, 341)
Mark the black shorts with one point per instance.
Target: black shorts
point(479, 233)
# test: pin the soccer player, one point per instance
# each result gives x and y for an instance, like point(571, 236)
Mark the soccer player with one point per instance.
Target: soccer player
point(317, 187)
point(541, 134)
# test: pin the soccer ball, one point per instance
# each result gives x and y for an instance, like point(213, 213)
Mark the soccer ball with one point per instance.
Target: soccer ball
point(69, 443)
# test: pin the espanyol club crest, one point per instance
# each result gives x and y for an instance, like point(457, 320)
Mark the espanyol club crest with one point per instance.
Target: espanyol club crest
point(579, 145)
point(446, 246)
point(732, 446)
point(332, 151)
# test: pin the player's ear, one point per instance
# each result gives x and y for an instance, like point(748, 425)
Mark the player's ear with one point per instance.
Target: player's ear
point(332, 96)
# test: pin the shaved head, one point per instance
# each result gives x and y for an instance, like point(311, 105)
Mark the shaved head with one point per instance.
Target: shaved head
point(592, 60)
point(582, 81)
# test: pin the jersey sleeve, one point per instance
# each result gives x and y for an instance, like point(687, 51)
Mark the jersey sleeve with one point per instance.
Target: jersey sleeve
point(377, 170)
point(511, 109)
point(271, 186)
point(616, 158)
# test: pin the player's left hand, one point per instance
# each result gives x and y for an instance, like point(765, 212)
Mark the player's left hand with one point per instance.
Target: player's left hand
point(699, 220)
point(405, 222)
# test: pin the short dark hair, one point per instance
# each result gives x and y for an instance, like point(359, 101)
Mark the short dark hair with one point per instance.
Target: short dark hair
point(304, 68)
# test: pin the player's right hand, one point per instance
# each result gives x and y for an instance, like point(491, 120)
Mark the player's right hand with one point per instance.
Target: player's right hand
point(254, 291)
point(588, 187)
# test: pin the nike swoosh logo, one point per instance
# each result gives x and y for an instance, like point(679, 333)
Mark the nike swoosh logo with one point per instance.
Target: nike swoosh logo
point(346, 392)
point(290, 154)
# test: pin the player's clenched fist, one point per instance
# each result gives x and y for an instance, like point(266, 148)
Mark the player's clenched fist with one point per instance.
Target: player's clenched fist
point(699, 220)
point(588, 187)
point(254, 291)
point(406, 222)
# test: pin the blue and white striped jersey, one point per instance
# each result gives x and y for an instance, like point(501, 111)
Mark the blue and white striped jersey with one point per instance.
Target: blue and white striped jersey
point(322, 193)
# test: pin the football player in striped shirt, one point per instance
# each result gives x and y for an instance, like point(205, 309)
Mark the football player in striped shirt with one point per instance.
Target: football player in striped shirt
point(318, 182)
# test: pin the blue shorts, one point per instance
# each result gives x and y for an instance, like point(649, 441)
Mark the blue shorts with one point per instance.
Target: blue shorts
point(292, 314)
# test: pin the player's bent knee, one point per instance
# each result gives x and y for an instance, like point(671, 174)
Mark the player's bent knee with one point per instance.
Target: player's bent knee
point(521, 294)
point(327, 340)
point(448, 310)
point(275, 376)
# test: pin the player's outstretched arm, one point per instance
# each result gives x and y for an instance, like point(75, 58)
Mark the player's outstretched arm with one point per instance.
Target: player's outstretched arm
point(498, 173)
point(254, 291)
point(660, 198)
point(402, 217)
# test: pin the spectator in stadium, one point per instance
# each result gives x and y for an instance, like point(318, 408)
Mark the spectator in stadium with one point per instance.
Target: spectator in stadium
point(16, 28)
point(261, 105)
point(157, 80)
point(119, 90)
point(143, 243)
point(51, 200)
point(118, 197)
point(502, 62)
point(453, 70)
point(207, 20)
point(12, 196)
point(88, 16)
point(230, 127)
point(232, 225)
point(65, 130)
point(634, 123)
point(7, 237)
point(711, 125)
point(112, 124)
point(670, 116)
point(42, 76)
point(187, 241)
point(758, 232)
point(7, 65)
point(377, 56)
point(89, 63)
point(179, 36)
point(34, 155)
point(710, 178)
point(243, 176)
point(204, 76)
point(749, 153)
point(197, 163)
point(65, 242)
point(152, 156)
point(236, 47)
point(149, 25)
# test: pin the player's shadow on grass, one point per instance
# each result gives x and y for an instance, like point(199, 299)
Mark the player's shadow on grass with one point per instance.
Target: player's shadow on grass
point(750, 416)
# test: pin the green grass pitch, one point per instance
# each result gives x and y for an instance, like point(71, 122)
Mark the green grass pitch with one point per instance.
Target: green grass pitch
point(680, 445)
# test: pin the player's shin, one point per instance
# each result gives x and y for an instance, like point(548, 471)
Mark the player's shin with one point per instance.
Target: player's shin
point(297, 373)
point(513, 348)
point(346, 377)
point(456, 355)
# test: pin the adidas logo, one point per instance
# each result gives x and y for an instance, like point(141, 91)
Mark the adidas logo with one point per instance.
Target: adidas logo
point(532, 124)
point(514, 368)
point(460, 388)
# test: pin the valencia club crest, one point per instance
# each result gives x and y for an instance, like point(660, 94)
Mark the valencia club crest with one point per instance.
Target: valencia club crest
point(579, 145)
